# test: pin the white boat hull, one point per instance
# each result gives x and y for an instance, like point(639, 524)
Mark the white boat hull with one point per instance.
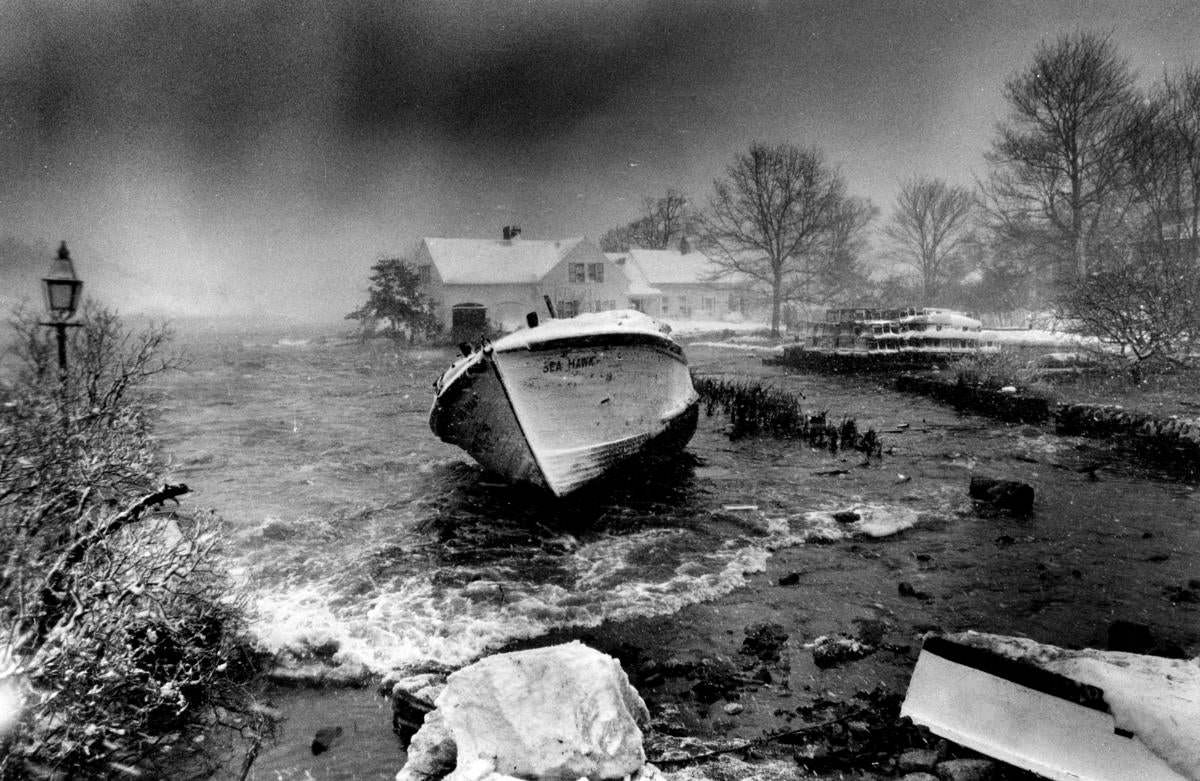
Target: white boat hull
point(563, 411)
point(1024, 716)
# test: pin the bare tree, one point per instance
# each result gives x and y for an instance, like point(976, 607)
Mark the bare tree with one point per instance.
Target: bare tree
point(930, 223)
point(775, 219)
point(664, 221)
point(1163, 159)
point(836, 273)
point(1055, 162)
point(1146, 296)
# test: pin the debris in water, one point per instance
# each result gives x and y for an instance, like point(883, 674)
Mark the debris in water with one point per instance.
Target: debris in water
point(325, 738)
point(1011, 495)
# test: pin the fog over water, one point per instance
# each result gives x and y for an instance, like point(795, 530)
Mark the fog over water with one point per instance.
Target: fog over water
point(244, 157)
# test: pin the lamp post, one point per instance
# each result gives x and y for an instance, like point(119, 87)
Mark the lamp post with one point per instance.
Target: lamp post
point(62, 290)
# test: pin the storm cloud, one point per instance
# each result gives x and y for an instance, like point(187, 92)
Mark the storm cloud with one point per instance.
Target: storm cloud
point(261, 154)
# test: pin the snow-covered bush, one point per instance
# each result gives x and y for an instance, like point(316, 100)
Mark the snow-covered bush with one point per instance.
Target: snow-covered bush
point(120, 638)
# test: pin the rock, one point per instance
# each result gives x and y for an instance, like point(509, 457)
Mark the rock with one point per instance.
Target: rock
point(831, 651)
point(565, 711)
point(714, 678)
point(917, 759)
point(1010, 495)
point(919, 777)
point(846, 516)
point(670, 720)
point(790, 579)
point(907, 590)
point(325, 738)
point(733, 708)
point(432, 752)
point(764, 641)
point(966, 770)
point(408, 713)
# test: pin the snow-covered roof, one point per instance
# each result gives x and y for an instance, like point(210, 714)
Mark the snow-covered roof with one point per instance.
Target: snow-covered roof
point(672, 267)
point(638, 284)
point(496, 261)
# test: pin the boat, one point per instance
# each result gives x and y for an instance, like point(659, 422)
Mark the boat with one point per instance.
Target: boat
point(562, 403)
point(1065, 715)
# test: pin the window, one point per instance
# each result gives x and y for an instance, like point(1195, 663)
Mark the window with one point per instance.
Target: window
point(666, 305)
point(575, 272)
point(708, 304)
point(595, 272)
point(735, 303)
point(567, 308)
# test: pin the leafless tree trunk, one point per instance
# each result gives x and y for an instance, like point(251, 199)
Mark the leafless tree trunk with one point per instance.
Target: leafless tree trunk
point(1056, 160)
point(930, 222)
point(774, 218)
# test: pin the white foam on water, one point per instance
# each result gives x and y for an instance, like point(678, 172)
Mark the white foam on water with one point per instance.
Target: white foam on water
point(874, 521)
point(416, 621)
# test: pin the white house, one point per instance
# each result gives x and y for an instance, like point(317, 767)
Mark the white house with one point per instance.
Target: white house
point(687, 288)
point(491, 284)
point(481, 285)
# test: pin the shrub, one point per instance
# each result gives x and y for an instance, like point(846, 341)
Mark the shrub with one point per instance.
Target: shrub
point(119, 633)
point(995, 370)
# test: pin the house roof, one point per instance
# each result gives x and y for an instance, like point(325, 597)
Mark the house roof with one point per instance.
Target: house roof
point(496, 261)
point(672, 267)
point(638, 284)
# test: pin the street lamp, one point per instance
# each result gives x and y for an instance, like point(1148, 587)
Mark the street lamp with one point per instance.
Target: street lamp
point(62, 289)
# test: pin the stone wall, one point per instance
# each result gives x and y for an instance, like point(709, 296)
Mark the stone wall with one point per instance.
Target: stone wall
point(1167, 441)
point(1012, 407)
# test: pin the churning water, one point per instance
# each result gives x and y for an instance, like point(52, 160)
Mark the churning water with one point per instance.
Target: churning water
point(352, 522)
point(349, 521)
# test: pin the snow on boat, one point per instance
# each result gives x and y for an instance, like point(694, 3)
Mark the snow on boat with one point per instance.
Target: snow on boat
point(563, 403)
point(1098, 715)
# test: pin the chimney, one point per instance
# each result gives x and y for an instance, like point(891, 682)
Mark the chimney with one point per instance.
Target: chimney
point(685, 246)
point(514, 232)
point(507, 233)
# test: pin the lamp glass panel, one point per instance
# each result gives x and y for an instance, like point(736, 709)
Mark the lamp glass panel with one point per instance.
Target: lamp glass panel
point(61, 295)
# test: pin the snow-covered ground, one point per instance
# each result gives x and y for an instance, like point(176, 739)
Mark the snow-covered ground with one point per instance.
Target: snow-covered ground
point(695, 327)
point(1035, 337)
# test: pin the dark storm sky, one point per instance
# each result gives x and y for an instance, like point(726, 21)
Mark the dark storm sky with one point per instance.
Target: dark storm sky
point(236, 154)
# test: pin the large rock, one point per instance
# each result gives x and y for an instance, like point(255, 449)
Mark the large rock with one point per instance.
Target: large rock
point(563, 712)
point(1011, 495)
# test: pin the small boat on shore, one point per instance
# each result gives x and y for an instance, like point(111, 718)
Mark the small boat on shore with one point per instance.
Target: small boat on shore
point(561, 404)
